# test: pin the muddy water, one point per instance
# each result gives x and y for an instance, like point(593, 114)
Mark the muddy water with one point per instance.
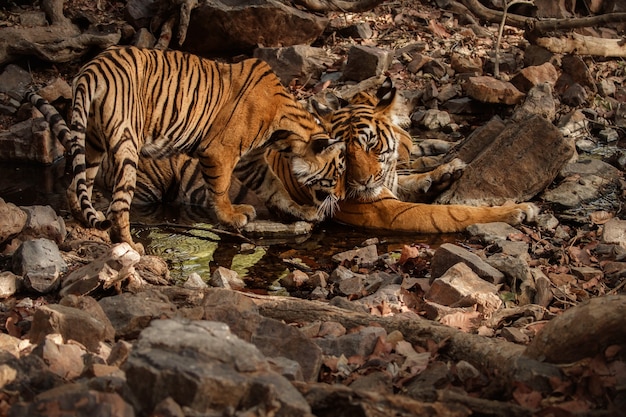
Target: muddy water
point(181, 236)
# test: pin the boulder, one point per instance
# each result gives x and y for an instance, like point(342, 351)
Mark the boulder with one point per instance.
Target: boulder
point(203, 366)
point(228, 27)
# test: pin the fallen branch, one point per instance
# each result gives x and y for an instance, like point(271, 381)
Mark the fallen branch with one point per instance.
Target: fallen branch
point(583, 45)
point(493, 356)
point(538, 27)
point(322, 6)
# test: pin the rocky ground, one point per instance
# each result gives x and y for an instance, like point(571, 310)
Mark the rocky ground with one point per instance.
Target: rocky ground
point(508, 321)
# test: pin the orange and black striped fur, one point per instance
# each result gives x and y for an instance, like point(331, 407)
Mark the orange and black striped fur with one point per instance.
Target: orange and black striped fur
point(381, 198)
point(130, 102)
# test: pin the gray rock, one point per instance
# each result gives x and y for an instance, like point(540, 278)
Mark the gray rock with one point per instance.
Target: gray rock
point(78, 398)
point(39, 261)
point(491, 232)
point(515, 165)
point(302, 62)
point(131, 313)
point(518, 274)
point(574, 193)
point(361, 343)
point(30, 141)
point(43, 222)
point(365, 256)
point(435, 119)
point(14, 79)
point(448, 254)
point(272, 337)
point(230, 26)
point(203, 366)
point(365, 62)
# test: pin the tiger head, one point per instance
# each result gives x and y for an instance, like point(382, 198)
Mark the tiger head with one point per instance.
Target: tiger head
point(320, 175)
point(368, 127)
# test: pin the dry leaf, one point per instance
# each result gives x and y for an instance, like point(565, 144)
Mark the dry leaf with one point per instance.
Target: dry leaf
point(466, 321)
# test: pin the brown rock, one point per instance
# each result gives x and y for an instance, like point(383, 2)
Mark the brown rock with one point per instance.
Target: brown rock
point(490, 90)
point(531, 76)
point(12, 220)
point(464, 64)
point(228, 27)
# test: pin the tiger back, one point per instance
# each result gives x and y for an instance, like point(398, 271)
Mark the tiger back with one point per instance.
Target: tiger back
point(265, 172)
point(131, 101)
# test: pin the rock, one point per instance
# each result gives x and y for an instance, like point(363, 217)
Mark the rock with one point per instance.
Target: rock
point(536, 55)
point(8, 344)
point(518, 275)
point(462, 105)
point(360, 343)
point(300, 62)
point(58, 88)
point(361, 30)
point(9, 284)
point(574, 124)
point(203, 366)
point(43, 222)
point(534, 75)
point(39, 261)
point(516, 150)
point(575, 95)
point(614, 231)
point(294, 279)
point(78, 398)
point(459, 286)
point(363, 257)
point(226, 278)
point(268, 228)
point(72, 324)
point(365, 62)
point(241, 315)
point(195, 282)
point(539, 101)
point(448, 255)
point(111, 269)
point(466, 64)
point(30, 141)
point(417, 62)
point(14, 79)
point(606, 87)
point(490, 90)
point(12, 220)
point(608, 135)
point(575, 192)
point(131, 313)
point(226, 27)
point(64, 359)
point(435, 119)
point(575, 67)
point(515, 335)
point(144, 39)
point(388, 300)
point(543, 287)
point(492, 232)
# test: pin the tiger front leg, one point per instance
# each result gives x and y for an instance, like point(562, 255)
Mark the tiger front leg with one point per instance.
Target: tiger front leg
point(217, 175)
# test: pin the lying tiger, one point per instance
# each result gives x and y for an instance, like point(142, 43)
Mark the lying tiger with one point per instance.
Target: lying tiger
point(130, 101)
point(378, 208)
point(374, 143)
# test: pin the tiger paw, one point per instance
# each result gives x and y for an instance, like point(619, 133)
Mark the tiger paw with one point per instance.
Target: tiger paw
point(238, 217)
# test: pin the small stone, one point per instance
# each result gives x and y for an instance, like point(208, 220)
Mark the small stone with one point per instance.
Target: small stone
point(366, 256)
point(491, 232)
point(614, 231)
point(435, 119)
point(515, 335)
point(195, 282)
point(608, 135)
point(294, 279)
point(226, 278)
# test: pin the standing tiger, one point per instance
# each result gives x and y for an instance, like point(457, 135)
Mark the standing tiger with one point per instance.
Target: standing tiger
point(374, 144)
point(131, 101)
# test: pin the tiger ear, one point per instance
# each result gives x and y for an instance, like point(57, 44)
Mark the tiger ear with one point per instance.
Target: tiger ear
point(386, 97)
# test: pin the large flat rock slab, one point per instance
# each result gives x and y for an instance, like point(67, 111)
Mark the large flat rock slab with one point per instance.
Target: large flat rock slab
point(520, 161)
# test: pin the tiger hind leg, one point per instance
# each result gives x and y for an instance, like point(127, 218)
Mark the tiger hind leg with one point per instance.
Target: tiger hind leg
point(124, 163)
